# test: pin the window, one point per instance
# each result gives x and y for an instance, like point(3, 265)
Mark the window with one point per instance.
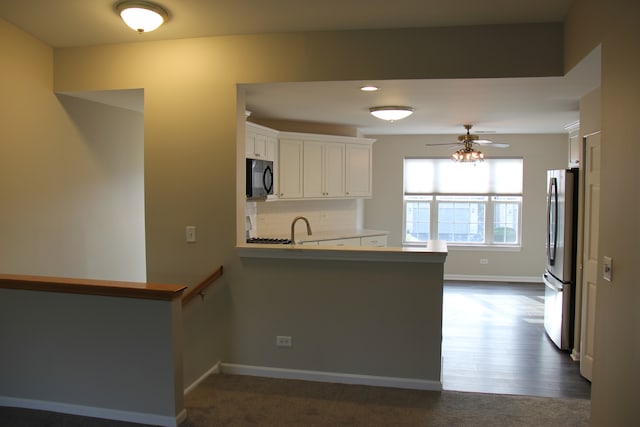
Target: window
point(463, 203)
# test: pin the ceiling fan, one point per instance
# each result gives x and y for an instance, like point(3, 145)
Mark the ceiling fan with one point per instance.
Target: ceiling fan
point(467, 153)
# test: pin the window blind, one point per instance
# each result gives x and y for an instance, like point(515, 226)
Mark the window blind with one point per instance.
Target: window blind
point(443, 176)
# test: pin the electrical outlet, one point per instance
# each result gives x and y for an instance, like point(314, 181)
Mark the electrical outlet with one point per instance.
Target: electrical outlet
point(484, 261)
point(283, 341)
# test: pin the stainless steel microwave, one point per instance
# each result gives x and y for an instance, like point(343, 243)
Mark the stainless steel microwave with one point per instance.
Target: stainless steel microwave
point(259, 178)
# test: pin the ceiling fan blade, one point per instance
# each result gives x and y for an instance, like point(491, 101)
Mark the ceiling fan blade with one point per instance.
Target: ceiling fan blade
point(442, 144)
point(468, 140)
point(489, 143)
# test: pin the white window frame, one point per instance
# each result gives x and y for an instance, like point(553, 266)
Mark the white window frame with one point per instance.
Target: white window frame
point(490, 202)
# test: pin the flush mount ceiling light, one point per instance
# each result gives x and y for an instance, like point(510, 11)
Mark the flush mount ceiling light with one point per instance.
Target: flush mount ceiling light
point(391, 114)
point(141, 16)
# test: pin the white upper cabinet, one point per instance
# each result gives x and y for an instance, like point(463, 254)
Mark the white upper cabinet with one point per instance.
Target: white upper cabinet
point(331, 166)
point(313, 166)
point(261, 142)
point(358, 170)
point(290, 169)
point(575, 143)
point(324, 169)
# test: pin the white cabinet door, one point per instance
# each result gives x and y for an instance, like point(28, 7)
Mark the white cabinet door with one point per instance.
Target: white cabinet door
point(358, 170)
point(256, 146)
point(374, 240)
point(575, 143)
point(333, 169)
point(260, 146)
point(312, 165)
point(323, 169)
point(250, 145)
point(574, 150)
point(351, 241)
point(270, 150)
point(260, 143)
point(290, 169)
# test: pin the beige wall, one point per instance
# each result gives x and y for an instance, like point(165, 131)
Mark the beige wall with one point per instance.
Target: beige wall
point(540, 152)
point(590, 112)
point(71, 175)
point(616, 370)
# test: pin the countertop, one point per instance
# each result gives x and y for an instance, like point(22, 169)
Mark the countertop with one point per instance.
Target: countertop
point(435, 251)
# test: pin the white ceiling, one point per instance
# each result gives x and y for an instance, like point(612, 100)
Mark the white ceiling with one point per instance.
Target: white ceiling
point(518, 105)
point(64, 23)
point(441, 106)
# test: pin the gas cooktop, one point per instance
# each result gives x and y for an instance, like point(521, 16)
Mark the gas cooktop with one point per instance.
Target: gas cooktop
point(269, 241)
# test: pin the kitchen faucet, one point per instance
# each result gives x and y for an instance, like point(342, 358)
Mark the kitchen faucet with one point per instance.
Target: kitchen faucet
point(293, 225)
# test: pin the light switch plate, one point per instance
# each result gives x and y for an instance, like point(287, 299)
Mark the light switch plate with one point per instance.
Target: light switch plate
point(607, 268)
point(190, 233)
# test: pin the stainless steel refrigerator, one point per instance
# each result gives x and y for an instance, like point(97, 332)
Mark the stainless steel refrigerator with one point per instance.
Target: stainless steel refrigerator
point(560, 273)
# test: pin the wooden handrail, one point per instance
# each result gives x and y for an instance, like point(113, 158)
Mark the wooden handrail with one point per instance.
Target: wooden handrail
point(200, 287)
point(108, 288)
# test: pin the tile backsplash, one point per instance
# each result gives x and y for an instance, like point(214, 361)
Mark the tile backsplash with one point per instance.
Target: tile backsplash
point(274, 218)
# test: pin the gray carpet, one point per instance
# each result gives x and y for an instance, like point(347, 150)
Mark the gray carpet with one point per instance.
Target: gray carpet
point(228, 400)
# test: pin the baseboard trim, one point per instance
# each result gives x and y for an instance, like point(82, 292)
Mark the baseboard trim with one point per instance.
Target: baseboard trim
point(215, 369)
point(480, 278)
point(332, 377)
point(89, 411)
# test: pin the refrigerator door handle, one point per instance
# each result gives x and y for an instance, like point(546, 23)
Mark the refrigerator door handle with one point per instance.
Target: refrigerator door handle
point(550, 284)
point(552, 221)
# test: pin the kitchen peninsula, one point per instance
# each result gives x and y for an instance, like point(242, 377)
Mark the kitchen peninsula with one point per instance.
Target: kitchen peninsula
point(434, 252)
point(356, 314)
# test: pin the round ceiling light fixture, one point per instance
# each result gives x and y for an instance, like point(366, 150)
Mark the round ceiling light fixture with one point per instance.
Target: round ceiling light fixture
point(142, 16)
point(391, 114)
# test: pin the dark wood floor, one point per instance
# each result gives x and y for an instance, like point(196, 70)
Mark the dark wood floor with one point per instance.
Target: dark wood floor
point(494, 342)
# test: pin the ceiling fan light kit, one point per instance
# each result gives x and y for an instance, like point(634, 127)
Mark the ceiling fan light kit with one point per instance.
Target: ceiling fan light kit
point(141, 16)
point(391, 113)
point(467, 154)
